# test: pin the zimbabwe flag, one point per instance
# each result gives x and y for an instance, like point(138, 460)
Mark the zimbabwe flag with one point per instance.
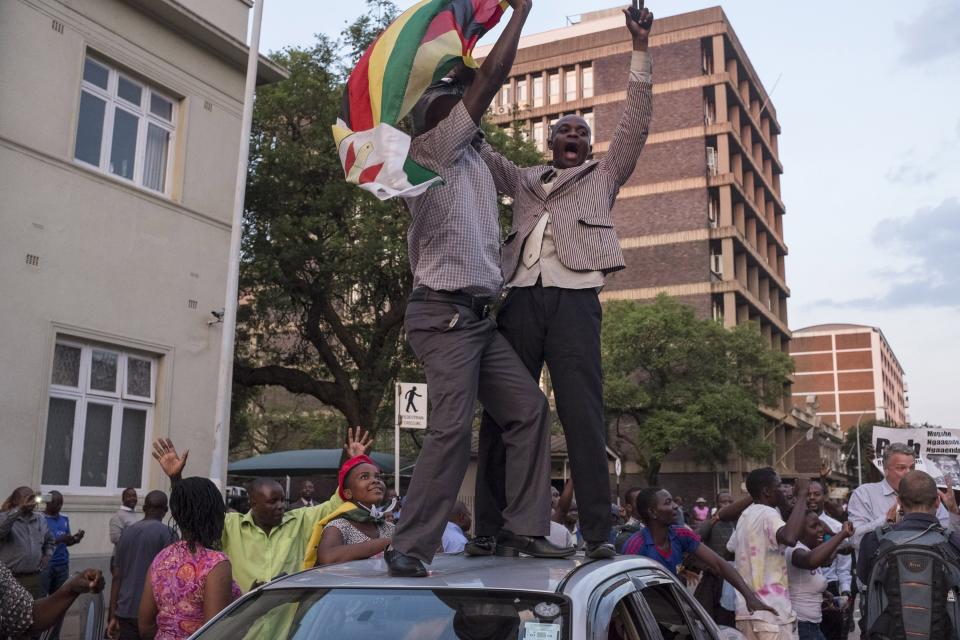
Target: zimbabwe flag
point(424, 43)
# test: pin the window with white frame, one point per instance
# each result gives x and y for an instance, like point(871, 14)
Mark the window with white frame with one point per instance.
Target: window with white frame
point(587, 82)
point(538, 138)
point(588, 118)
point(505, 97)
point(124, 127)
point(522, 98)
point(570, 85)
point(99, 418)
point(554, 88)
point(538, 91)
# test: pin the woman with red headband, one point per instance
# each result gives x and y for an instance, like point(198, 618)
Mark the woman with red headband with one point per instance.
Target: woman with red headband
point(358, 529)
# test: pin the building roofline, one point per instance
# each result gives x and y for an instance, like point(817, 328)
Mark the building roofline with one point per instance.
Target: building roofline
point(847, 327)
point(600, 22)
point(208, 35)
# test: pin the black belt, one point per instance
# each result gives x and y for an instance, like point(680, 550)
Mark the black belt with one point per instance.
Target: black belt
point(478, 304)
point(26, 575)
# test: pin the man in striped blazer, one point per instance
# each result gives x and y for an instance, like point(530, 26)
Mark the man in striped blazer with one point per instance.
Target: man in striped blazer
point(561, 246)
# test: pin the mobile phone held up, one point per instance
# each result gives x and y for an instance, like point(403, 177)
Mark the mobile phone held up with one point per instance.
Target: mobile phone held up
point(42, 498)
point(634, 11)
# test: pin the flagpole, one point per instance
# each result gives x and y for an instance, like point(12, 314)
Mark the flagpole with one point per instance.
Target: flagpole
point(218, 461)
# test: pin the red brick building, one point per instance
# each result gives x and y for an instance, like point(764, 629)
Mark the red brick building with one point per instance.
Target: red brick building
point(851, 371)
point(701, 219)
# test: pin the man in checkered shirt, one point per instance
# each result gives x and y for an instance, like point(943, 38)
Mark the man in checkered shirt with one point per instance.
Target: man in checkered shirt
point(454, 246)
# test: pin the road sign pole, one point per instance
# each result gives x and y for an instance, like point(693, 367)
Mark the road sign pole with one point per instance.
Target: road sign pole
point(396, 446)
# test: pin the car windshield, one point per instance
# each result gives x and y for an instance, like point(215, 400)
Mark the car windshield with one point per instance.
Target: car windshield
point(413, 614)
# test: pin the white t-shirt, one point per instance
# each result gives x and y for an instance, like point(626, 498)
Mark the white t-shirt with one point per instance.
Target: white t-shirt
point(759, 559)
point(806, 588)
point(559, 535)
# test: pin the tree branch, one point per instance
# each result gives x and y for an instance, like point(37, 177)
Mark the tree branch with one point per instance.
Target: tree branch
point(295, 381)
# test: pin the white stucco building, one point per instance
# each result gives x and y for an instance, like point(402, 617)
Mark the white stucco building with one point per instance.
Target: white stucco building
point(119, 131)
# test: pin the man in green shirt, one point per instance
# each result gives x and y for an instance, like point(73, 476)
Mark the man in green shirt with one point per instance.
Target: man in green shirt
point(268, 540)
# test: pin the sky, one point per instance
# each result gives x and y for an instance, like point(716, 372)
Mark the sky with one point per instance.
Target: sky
point(868, 97)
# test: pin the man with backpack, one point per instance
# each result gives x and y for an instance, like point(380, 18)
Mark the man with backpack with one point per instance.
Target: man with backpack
point(910, 567)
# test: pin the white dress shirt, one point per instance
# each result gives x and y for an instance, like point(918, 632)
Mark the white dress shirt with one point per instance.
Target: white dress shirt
point(870, 503)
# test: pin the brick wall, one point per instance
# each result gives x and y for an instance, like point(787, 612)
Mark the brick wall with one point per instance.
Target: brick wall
point(670, 161)
point(680, 263)
point(661, 213)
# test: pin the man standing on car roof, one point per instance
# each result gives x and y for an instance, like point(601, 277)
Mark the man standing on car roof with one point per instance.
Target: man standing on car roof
point(454, 247)
point(559, 250)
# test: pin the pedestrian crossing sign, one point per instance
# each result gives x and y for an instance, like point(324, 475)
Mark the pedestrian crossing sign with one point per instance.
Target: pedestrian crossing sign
point(412, 405)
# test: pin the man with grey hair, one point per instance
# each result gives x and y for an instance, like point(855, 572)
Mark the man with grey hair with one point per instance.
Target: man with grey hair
point(874, 504)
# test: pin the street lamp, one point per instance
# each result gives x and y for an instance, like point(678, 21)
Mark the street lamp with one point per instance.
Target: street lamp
point(859, 460)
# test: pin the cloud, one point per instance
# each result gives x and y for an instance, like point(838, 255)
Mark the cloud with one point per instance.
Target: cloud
point(910, 173)
point(933, 34)
point(930, 238)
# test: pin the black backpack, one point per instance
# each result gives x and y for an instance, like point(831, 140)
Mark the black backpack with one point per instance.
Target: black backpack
point(913, 588)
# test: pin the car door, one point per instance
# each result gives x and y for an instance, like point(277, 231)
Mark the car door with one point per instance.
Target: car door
point(675, 614)
point(615, 613)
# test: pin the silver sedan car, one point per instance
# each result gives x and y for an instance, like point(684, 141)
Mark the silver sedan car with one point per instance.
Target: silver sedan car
point(628, 598)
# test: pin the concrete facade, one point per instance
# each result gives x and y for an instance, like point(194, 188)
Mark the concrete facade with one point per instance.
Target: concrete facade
point(112, 266)
point(852, 373)
point(701, 218)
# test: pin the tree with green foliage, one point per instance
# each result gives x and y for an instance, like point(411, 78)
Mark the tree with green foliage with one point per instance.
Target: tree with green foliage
point(324, 272)
point(673, 381)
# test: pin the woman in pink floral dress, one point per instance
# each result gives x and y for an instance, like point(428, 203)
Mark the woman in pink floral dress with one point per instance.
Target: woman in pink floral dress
point(189, 582)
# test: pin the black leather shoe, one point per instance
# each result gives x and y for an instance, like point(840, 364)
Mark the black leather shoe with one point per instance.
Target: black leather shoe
point(403, 566)
point(600, 550)
point(511, 544)
point(481, 546)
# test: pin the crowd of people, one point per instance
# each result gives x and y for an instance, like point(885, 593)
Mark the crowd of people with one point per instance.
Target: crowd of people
point(775, 564)
point(782, 562)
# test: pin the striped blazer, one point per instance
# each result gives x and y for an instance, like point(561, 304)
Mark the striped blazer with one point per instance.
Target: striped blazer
point(581, 201)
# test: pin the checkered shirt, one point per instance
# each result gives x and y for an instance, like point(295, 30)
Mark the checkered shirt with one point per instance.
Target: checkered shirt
point(454, 238)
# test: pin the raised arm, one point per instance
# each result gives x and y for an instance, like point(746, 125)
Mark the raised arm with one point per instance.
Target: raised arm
point(821, 555)
point(733, 510)
point(788, 534)
point(631, 133)
point(506, 175)
point(496, 66)
point(172, 463)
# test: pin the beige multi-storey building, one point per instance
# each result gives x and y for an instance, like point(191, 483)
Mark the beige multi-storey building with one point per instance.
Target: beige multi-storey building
point(851, 372)
point(701, 219)
point(119, 133)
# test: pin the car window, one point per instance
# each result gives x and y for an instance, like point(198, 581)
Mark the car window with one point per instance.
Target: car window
point(672, 614)
point(402, 614)
point(626, 622)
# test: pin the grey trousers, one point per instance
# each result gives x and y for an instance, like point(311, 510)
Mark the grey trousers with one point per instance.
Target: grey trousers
point(466, 358)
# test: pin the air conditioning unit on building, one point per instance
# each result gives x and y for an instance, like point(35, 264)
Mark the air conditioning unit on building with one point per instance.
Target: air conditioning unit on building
point(501, 110)
point(716, 264)
point(711, 161)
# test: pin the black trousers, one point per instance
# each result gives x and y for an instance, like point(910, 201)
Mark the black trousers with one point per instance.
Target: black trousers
point(465, 358)
point(559, 327)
